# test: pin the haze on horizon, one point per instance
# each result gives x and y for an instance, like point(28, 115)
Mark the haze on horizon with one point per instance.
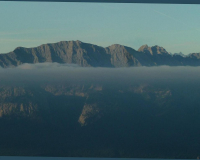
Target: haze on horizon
point(29, 24)
point(73, 73)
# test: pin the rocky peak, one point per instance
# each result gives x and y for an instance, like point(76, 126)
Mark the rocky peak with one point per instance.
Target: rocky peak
point(179, 54)
point(18, 49)
point(116, 46)
point(146, 49)
point(194, 55)
point(154, 50)
point(158, 50)
point(143, 47)
point(77, 41)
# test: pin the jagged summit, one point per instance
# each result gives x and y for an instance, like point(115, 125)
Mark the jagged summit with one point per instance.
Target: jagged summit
point(159, 50)
point(116, 45)
point(179, 54)
point(154, 50)
point(117, 48)
point(90, 55)
point(143, 47)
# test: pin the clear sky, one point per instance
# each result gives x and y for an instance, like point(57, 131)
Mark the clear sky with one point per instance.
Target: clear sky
point(29, 24)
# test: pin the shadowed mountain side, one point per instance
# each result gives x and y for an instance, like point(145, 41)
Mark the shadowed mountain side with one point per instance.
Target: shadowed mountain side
point(89, 55)
point(74, 52)
point(142, 121)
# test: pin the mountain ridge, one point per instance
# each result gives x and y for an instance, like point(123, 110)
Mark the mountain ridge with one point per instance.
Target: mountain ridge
point(91, 55)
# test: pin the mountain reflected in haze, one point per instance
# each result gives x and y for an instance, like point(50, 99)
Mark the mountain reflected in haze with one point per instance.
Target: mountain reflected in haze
point(52, 109)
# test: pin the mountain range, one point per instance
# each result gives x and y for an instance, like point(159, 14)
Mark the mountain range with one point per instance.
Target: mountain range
point(90, 55)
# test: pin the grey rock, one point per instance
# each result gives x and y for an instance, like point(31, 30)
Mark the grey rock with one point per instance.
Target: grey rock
point(90, 55)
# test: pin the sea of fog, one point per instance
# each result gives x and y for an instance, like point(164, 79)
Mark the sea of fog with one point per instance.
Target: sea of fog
point(54, 72)
point(51, 72)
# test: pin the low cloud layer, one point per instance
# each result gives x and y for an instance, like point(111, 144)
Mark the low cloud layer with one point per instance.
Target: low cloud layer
point(70, 73)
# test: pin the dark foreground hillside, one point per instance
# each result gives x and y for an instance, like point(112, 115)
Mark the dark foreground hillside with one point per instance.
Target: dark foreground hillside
point(154, 120)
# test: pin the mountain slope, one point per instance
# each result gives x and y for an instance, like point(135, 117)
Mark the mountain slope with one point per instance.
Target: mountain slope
point(89, 55)
point(62, 119)
point(62, 52)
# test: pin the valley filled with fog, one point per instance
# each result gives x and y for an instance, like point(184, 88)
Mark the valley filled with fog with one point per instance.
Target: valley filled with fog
point(52, 109)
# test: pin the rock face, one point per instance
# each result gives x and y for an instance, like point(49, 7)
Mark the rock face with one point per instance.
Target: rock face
point(179, 54)
point(96, 120)
point(89, 110)
point(121, 56)
point(89, 55)
point(155, 50)
point(21, 101)
point(75, 52)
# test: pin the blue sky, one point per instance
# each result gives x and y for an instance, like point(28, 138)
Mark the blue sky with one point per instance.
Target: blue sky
point(29, 24)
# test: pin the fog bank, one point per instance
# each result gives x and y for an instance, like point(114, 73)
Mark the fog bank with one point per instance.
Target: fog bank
point(70, 73)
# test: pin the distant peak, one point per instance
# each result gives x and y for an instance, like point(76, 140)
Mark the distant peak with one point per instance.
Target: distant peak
point(78, 41)
point(158, 47)
point(18, 48)
point(143, 48)
point(72, 41)
point(148, 47)
point(179, 54)
point(116, 46)
point(152, 50)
